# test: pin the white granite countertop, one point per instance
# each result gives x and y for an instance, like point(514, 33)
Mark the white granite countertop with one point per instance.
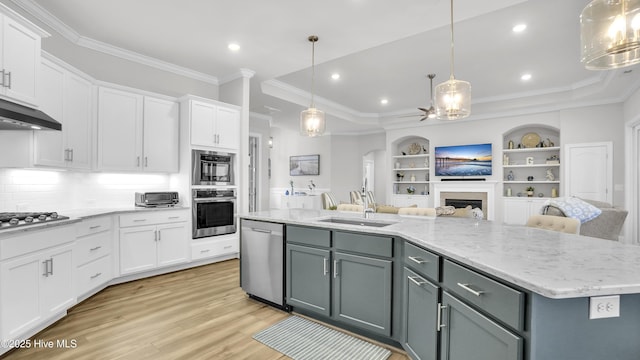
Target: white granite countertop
point(76, 215)
point(552, 264)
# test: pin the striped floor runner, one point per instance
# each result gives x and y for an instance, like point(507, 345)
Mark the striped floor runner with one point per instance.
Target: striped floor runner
point(302, 339)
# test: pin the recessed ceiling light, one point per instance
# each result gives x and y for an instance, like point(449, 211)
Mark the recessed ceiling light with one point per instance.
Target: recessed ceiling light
point(335, 76)
point(233, 46)
point(519, 28)
point(384, 101)
point(525, 77)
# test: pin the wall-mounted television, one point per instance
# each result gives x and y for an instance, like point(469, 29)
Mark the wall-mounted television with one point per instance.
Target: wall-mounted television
point(463, 160)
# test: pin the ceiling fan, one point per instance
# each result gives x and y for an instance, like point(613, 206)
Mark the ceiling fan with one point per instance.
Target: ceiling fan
point(429, 113)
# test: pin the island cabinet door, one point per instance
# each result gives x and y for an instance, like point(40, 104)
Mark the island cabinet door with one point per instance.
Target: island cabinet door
point(420, 317)
point(362, 292)
point(467, 334)
point(308, 279)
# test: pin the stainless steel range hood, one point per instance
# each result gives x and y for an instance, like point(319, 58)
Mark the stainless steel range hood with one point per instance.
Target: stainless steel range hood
point(18, 117)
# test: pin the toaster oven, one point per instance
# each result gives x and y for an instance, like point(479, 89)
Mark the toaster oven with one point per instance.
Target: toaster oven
point(157, 199)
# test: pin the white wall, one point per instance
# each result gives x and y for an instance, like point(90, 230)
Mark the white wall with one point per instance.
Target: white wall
point(44, 190)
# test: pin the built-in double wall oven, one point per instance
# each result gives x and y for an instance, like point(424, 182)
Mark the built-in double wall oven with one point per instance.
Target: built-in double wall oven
point(213, 193)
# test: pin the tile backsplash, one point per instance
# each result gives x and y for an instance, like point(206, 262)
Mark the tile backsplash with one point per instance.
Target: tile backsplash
point(41, 190)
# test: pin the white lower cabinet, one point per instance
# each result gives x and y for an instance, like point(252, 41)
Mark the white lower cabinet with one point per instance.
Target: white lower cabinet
point(410, 200)
point(215, 246)
point(36, 280)
point(92, 254)
point(518, 210)
point(160, 239)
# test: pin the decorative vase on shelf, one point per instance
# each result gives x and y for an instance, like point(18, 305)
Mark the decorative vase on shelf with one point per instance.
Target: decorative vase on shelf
point(510, 176)
point(413, 178)
point(397, 164)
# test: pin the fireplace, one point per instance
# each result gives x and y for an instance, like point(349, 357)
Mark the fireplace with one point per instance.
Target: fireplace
point(463, 193)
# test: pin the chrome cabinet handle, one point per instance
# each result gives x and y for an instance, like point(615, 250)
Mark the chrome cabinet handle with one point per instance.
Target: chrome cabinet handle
point(474, 292)
point(204, 251)
point(66, 154)
point(95, 248)
point(2, 81)
point(174, 217)
point(414, 279)
point(94, 227)
point(439, 324)
point(9, 76)
point(139, 220)
point(335, 269)
point(70, 154)
point(261, 230)
point(159, 235)
point(138, 161)
point(95, 276)
point(417, 260)
point(46, 268)
point(325, 267)
point(146, 162)
point(227, 247)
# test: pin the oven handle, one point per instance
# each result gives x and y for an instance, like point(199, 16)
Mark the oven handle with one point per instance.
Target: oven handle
point(214, 199)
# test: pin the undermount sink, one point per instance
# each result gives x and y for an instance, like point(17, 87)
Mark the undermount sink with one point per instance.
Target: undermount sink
point(361, 222)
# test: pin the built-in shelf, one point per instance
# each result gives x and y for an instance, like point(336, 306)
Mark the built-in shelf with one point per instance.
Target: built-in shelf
point(412, 168)
point(532, 150)
point(531, 166)
point(531, 182)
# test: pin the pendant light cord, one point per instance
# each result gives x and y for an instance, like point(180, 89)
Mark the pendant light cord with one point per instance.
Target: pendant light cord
point(313, 65)
point(452, 77)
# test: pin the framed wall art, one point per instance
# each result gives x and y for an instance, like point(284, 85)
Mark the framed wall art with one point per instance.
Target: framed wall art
point(304, 165)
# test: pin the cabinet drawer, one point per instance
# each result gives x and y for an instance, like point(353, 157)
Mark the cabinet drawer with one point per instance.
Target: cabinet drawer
point(93, 274)
point(93, 225)
point(363, 243)
point(91, 247)
point(422, 261)
point(207, 249)
point(309, 236)
point(35, 240)
point(501, 301)
point(153, 218)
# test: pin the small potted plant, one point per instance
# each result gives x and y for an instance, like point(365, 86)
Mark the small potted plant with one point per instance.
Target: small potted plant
point(411, 189)
point(530, 190)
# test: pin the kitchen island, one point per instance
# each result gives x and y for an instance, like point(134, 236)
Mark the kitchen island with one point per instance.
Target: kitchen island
point(532, 288)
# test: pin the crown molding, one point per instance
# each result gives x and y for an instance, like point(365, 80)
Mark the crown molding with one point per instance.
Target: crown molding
point(242, 73)
point(37, 11)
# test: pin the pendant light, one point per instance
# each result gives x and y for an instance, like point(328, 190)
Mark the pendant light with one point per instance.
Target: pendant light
point(453, 97)
point(312, 121)
point(610, 34)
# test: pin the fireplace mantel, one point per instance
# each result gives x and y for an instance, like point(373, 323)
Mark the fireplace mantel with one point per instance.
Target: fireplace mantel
point(488, 187)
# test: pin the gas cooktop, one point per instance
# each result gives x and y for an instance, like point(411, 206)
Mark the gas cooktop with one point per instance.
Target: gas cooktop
point(14, 219)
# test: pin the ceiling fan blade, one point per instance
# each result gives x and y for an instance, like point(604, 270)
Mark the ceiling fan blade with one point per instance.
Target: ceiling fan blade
point(424, 118)
point(413, 115)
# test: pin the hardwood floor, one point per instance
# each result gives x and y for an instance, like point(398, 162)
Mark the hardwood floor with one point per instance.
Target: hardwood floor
point(199, 313)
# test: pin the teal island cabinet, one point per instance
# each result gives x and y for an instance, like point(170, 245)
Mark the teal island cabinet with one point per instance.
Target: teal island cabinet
point(446, 289)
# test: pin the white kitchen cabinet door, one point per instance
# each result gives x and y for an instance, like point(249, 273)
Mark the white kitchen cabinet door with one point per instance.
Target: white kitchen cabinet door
point(20, 295)
point(518, 210)
point(58, 286)
point(227, 128)
point(50, 145)
point(34, 288)
point(78, 121)
point(160, 135)
point(173, 244)
point(137, 249)
point(203, 118)
point(67, 98)
point(119, 130)
point(20, 58)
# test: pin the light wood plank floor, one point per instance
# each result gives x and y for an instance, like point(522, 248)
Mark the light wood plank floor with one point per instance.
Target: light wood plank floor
point(199, 313)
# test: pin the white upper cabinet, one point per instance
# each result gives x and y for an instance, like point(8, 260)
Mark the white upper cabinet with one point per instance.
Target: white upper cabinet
point(67, 98)
point(160, 135)
point(136, 132)
point(19, 61)
point(213, 124)
point(119, 130)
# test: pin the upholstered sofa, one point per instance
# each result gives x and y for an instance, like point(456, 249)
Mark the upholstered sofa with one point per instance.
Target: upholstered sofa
point(606, 226)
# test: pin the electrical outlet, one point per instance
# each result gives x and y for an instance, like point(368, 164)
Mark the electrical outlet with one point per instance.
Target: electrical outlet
point(604, 307)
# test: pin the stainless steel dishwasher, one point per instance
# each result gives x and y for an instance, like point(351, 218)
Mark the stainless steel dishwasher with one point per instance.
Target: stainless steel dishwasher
point(262, 261)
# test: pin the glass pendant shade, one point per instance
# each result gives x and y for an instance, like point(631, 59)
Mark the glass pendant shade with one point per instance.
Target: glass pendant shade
point(610, 34)
point(453, 99)
point(312, 122)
